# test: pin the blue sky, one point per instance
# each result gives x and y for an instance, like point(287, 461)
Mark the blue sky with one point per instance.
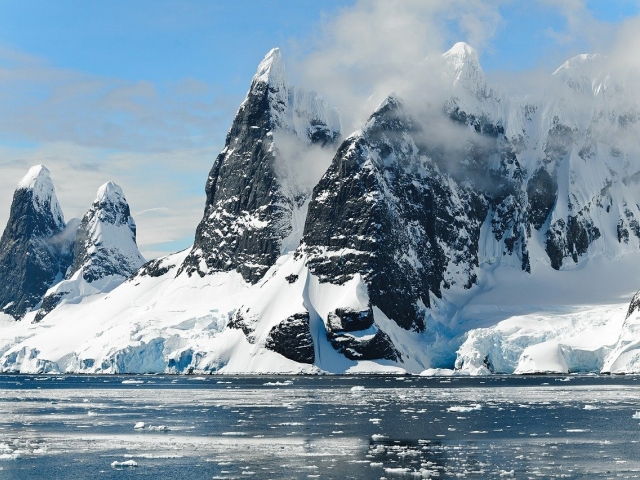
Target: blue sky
point(142, 92)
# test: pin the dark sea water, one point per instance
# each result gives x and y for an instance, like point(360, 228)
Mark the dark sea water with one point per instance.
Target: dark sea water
point(57, 427)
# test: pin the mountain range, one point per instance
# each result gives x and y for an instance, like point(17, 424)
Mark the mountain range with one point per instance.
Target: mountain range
point(466, 231)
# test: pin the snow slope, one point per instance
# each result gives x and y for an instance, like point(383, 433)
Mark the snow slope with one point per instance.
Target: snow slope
point(179, 324)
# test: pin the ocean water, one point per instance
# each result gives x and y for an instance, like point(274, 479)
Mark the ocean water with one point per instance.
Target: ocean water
point(58, 427)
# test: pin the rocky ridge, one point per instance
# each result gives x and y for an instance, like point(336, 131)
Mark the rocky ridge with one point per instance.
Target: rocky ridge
point(256, 196)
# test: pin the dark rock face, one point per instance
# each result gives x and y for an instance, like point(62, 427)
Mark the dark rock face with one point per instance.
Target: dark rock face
point(541, 192)
point(48, 304)
point(349, 320)
point(247, 211)
point(242, 320)
point(34, 252)
point(385, 211)
point(347, 333)
point(634, 305)
point(292, 339)
point(570, 239)
point(377, 347)
point(156, 268)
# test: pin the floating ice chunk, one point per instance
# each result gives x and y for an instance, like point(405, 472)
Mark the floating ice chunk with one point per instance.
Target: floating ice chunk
point(636, 416)
point(139, 425)
point(9, 456)
point(591, 407)
point(126, 463)
point(376, 437)
point(286, 382)
point(464, 408)
point(159, 428)
point(578, 430)
point(376, 464)
point(357, 388)
point(132, 382)
point(92, 414)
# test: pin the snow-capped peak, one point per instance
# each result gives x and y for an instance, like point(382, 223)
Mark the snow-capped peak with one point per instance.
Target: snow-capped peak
point(462, 53)
point(462, 64)
point(106, 240)
point(579, 62)
point(271, 69)
point(37, 179)
point(38, 182)
point(111, 193)
point(585, 73)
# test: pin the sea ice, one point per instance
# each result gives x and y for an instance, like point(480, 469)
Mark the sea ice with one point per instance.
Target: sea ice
point(126, 463)
point(464, 409)
point(159, 428)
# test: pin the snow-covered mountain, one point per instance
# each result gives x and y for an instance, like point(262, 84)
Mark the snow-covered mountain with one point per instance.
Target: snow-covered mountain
point(105, 252)
point(260, 184)
point(473, 229)
point(36, 246)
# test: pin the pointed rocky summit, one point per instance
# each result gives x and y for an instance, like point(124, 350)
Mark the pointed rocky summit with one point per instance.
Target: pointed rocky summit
point(105, 252)
point(253, 199)
point(35, 248)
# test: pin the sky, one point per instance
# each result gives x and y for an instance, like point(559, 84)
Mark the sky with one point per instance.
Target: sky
point(142, 92)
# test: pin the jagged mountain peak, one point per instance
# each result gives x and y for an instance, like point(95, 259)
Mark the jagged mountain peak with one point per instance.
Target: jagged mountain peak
point(110, 192)
point(38, 182)
point(106, 240)
point(259, 185)
point(579, 62)
point(271, 70)
point(585, 73)
point(463, 62)
point(35, 247)
point(35, 177)
point(462, 52)
point(105, 252)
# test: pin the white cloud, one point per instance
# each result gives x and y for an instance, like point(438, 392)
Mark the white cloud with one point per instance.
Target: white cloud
point(378, 47)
